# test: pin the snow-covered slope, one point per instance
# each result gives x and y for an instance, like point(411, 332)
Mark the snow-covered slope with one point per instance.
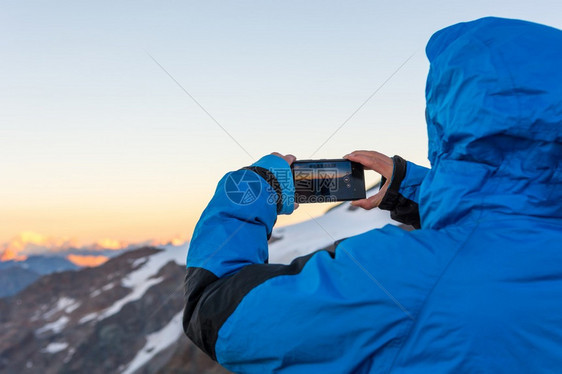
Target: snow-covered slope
point(340, 222)
point(96, 320)
point(125, 315)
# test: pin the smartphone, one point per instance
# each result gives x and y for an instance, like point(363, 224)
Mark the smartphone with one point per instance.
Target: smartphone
point(320, 181)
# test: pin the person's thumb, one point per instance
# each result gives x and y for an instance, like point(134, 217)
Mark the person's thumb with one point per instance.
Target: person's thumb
point(367, 204)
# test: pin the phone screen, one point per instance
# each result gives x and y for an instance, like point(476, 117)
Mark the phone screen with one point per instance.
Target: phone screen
point(318, 181)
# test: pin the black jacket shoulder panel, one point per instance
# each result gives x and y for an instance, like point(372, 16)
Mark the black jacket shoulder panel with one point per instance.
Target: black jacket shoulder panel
point(210, 300)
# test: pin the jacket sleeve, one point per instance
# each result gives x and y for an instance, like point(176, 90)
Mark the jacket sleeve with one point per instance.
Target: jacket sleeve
point(241, 215)
point(232, 233)
point(402, 196)
point(324, 312)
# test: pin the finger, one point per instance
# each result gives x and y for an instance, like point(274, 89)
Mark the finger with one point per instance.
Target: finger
point(354, 155)
point(289, 158)
point(364, 160)
point(362, 152)
point(372, 160)
point(371, 202)
point(366, 152)
point(366, 204)
point(373, 155)
point(296, 206)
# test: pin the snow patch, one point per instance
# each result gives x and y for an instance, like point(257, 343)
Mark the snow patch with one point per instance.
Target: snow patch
point(138, 262)
point(103, 289)
point(88, 318)
point(71, 308)
point(319, 232)
point(69, 355)
point(56, 326)
point(40, 313)
point(64, 303)
point(157, 342)
point(176, 253)
point(141, 279)
point(108, 287)
point(55, 347)
point(137, 293)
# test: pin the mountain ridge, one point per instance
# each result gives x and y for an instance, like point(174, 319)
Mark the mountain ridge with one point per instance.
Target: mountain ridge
point(125, 316)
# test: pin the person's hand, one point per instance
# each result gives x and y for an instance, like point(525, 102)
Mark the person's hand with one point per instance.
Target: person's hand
point(290, 159)
point(378, 162)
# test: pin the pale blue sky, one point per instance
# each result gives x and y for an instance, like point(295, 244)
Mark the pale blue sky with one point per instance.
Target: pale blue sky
point(96, 141)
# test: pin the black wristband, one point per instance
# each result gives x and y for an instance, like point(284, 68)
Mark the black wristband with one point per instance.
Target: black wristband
point(390, 199)
point(273, 182)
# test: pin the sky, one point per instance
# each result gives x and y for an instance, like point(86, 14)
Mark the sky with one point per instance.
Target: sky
point(98, 139)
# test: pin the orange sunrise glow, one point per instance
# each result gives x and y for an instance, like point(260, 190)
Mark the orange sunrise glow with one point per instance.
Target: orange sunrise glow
point(88, 261)
point(12, 255)
point(110, 244)
point(29, 243)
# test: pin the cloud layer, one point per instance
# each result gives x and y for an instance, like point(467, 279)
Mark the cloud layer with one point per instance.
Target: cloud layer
point(30, 243)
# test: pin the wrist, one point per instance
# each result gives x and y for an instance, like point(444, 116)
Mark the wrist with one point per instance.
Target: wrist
point(390, 199)
point(277, 173)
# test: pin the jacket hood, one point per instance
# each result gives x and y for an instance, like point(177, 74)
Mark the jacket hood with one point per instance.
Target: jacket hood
point(494, 120)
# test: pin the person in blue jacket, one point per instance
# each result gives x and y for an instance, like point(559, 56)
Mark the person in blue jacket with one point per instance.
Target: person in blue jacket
point(476, 288)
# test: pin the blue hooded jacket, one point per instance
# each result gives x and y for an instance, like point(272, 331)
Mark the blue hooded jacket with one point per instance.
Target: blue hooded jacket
point(478, 288)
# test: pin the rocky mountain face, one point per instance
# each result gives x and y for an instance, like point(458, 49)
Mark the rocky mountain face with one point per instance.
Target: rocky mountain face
point(41, 264)
point(123, 316)
point(14, 279)
point(16, 275)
